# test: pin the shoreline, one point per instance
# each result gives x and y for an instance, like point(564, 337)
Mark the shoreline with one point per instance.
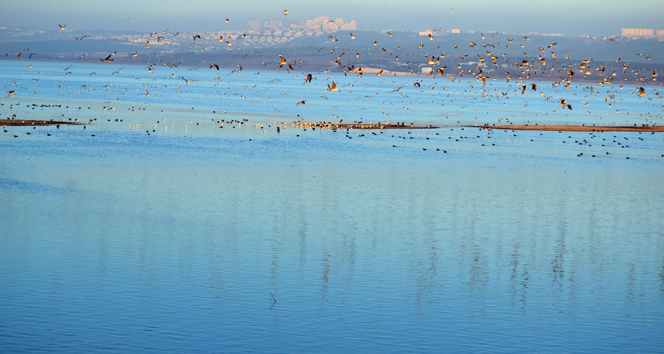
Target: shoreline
point(30, 122)
point(575, 128)
point(362, 126)
point(303, 125)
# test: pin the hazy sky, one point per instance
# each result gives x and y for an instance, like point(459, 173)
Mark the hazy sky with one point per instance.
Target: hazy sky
point(570, 17)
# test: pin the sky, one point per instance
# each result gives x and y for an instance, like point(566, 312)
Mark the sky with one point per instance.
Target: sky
point(570, 17)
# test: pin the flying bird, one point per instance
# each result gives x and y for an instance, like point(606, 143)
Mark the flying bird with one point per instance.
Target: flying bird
point(62, 27)
point(333, 87)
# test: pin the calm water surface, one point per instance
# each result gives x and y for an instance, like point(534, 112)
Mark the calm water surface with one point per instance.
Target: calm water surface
point(309, 241)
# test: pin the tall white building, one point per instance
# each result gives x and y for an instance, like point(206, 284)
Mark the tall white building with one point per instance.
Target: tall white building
point(350, 26)
point(638, 32)
point(330, 26)
point(272, 24)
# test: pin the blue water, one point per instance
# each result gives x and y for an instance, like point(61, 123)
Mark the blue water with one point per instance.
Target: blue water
point(310, 241)
point(369, 98)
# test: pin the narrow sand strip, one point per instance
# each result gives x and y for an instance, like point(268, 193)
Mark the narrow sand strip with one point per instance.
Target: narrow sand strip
point(574, 128)
point(23, 122)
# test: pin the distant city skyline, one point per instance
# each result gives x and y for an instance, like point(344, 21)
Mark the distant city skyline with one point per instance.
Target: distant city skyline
point(518, 16)
point(321, 23)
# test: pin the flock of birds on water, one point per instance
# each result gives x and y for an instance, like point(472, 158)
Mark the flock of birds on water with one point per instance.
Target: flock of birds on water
point(527, 71)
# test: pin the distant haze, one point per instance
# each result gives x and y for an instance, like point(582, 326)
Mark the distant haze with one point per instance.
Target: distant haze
point(568, 17)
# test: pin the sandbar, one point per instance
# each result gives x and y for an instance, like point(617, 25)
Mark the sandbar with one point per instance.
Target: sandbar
point(28, 122)
point(576, 128)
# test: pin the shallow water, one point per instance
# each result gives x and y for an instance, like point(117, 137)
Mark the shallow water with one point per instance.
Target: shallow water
point(438, 101)
point(308, 241)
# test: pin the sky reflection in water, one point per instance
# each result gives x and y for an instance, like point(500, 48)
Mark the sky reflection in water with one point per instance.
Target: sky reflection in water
point(130, 242)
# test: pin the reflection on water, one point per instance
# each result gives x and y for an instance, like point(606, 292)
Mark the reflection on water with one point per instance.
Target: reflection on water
point(182, 245)
point(310, 241)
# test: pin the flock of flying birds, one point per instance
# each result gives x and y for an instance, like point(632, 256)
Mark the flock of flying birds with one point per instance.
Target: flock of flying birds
point(484, 72)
